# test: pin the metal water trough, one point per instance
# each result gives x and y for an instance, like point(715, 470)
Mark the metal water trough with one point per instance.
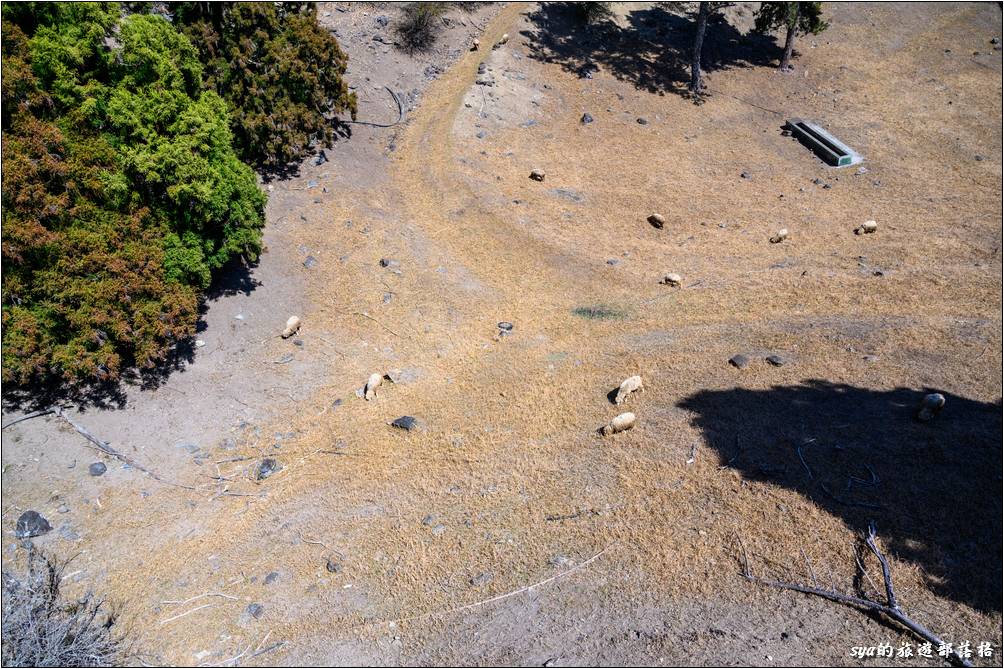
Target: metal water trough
point(823, 144)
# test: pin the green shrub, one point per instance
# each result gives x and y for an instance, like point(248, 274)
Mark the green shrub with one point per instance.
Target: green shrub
point(121, 192)
point(280, 72)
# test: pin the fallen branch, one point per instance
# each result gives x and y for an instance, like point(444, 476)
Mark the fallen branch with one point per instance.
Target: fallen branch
point(506, 595)
point(205, 594)
point(182, 615)
point(890, 609)
point(33, 414)
point(400, 114)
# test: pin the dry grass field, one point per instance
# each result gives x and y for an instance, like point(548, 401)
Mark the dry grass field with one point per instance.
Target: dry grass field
point(507, 483)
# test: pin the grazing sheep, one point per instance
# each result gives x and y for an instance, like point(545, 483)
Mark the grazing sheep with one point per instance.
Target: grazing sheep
point(292, 327)
point(930, 407)
point(502, 40)
point(673, 280)
point(475, 45)
point(630, 385)
point(866, 228)
point(625, 421)
point(537, 175)
point(656, 221)
point(371, 385)
point(781, 235)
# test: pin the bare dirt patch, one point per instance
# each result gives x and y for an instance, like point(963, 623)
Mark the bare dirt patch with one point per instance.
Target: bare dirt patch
point(506, 484)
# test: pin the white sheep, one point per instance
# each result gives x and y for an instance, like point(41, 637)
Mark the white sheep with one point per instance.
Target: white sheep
point(503, 40)
point(292, 327)
point(630, 385)
point(371, 385)
point(625, 421)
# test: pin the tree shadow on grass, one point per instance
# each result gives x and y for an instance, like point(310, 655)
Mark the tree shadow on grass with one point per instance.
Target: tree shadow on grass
point(932, 489)
point(653, 51)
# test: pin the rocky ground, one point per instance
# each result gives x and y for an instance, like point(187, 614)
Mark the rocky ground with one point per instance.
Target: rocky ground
point(503, 529)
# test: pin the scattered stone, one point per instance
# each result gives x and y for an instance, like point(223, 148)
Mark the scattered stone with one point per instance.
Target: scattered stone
point(561, 561)
point(746, 175)
point(781, 235)
point(97, 469)
point(483, 578)
point(310, 262)
point(866, 228)
point(63, 508)
point(871, 358)
point(979, 157)
point(673, 280)
point(322, 158)
point(31, 524)
point(739, 361)
point(333, 565)
point(537, 175)
point(862, 170)
point(505, 326)
point(389, 262)
point(382, 21)
point(429, 520)
point(995, 41)
point(587, 118)
point(255, 610)
point(438, 530)
point(613, 261)
point(271, 577)
point(482, 67)
point(481, 134)
point(776, 360)
point(266, 468)
point(407, 423)
point(930, 407)
point(642, 120)
point(568, 194)
point(312, 183)
point(199, 343)
point(657, 221)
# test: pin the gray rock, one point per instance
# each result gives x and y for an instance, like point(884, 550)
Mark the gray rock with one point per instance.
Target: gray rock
point(266, 468)
point(271, 577)
point(310, 262)
point(31, 524)
point(389, 262)
point(97, 469)
point(481, 134)
point(642, 120)
point(505, 325)
point(63, 508)
point(537, 175)
point(587, 118)
point(429, 520)
point(407, 423)
point(746, 175)
point(333, 565)
point(657, 221)
point(776, 360)
point(568, 194)
point(739, 361)
point(870, 359)
point(483, 578)
point(613, 261)
point(438, 530)
point(255, 610)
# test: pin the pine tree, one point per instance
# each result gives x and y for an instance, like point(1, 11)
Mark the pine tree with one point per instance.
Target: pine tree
point(797, 18)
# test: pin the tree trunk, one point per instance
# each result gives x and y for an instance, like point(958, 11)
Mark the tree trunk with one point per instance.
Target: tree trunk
point(695, 63)
point(789, 41)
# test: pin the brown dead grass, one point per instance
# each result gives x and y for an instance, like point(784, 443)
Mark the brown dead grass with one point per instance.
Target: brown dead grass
point(509, 434)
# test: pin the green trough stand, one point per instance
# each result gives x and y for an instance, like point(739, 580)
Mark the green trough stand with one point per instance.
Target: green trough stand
point(823, 144)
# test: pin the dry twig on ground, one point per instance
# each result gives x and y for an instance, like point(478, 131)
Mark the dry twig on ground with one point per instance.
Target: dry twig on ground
point(891, 609)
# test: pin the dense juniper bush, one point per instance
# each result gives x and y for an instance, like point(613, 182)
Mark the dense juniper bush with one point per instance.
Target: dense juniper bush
point(125, 188)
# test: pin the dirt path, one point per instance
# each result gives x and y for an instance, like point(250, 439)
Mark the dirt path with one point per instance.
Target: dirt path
point(437, 537)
